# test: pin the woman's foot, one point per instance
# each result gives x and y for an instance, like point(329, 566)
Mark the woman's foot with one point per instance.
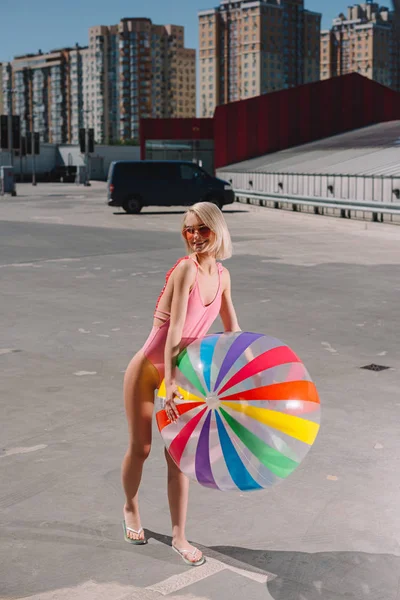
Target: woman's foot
point(190, 554)
point(132, 527)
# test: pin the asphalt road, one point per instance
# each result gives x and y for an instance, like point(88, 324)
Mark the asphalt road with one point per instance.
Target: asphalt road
point(78, 285)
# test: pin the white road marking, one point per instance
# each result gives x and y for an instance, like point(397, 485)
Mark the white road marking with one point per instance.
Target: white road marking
point(211, 567)
point(91, 590)
point(17, 265)
point(178, 582)
point(83, 331)
point(116, 329)
point(12, 451)
point(382, 353)
point(103, 335)
point(55, 219)
point(328, 347)
point(63, 260)
point(256, 574)
point(378, 446)
point(85, 276)
point(83, 373)
point(5, 351)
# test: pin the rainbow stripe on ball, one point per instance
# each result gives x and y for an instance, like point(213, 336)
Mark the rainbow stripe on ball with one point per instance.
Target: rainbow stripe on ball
point(249, 414)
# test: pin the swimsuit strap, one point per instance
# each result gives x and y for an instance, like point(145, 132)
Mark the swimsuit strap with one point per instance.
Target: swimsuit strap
point(163, 312)
point(161, 315)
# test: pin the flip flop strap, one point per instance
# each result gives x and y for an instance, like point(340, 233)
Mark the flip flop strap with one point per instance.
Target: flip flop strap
point(134, 530)
point(183, 551)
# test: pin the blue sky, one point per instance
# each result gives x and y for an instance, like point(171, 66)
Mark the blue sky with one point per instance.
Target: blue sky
point(30, 25)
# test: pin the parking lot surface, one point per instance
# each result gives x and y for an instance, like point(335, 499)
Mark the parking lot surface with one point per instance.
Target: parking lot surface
point(79, 281)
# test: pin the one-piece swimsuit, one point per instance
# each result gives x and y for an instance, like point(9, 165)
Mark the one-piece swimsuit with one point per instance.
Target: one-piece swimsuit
point(199, 318)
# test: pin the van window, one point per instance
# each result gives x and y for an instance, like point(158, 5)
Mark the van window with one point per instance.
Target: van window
point(127, 170)
point(189, 172)
point(145, 170)
point(163, 170)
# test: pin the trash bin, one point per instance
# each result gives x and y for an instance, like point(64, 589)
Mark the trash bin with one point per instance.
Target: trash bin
point(7, 181)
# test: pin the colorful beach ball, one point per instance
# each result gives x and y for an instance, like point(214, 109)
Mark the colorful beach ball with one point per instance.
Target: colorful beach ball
point(249, 415)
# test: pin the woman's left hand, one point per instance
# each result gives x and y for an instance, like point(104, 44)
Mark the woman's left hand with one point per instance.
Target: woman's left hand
point(170, 406)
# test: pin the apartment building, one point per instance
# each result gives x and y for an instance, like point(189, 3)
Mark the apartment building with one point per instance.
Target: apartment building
point(128, 71)
point(137, 70)
point(1, 89)
point(249, 47)
point(363, 42)
point(5, 87)
point(44, 90)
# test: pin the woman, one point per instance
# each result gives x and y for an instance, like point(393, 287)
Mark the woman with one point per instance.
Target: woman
point(197, 289)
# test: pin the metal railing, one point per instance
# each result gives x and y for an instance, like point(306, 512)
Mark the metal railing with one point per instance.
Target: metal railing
point(332, 186)
point(318, 202)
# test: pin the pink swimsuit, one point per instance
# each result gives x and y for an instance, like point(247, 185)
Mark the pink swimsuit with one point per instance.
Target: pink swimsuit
point(199, 319)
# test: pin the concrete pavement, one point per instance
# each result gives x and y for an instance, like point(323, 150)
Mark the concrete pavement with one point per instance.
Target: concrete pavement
point(78, 285)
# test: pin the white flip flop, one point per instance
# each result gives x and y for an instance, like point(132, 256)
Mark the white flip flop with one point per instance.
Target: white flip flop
point(183, 553)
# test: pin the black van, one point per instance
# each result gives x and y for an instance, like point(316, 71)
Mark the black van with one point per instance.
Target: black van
point(134, 184)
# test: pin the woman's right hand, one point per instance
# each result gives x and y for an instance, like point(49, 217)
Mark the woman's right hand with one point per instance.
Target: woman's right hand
point(170, 406)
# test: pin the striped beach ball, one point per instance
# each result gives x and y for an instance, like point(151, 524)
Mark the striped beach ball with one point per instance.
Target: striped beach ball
point(249, 415)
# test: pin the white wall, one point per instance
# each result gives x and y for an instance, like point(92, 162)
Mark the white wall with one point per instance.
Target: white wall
point(44, 162)
point(52, 155)
point(101, 158)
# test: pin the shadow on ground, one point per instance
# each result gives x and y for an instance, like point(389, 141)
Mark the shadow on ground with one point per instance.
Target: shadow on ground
point(316, 576)
point(324, 575)
point(291, 575)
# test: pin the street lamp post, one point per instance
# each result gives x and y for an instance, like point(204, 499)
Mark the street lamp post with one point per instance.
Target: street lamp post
point(34, 105)
point(33, 155)
point(10, 127)
point(87, 112)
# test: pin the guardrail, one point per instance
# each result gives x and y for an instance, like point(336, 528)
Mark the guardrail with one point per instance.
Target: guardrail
point(392, 208)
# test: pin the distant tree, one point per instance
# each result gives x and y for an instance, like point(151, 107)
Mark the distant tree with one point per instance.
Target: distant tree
point(132, 142)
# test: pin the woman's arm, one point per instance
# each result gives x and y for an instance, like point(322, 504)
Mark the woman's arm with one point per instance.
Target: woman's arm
point(183, 278)
point(227, 311)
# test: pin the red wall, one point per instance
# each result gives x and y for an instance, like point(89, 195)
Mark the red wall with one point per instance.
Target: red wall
point(279, 120)
point(174, 129)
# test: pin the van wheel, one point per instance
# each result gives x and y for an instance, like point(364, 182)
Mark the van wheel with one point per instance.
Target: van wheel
point(217, 202)
point(132, 206)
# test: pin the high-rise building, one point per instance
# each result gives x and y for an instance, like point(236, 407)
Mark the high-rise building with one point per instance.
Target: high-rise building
point(252, 47)
point(6, 87)
point(128, 71)
point(364, 42)
point(137, 69)
point(1, 89)
point(45, 93)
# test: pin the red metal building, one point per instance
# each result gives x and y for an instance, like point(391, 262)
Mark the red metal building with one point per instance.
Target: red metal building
point(279, 120)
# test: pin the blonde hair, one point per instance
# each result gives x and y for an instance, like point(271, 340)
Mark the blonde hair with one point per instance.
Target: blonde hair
point(210, 215)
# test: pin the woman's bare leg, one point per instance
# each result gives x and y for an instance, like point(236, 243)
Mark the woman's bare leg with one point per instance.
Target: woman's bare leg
point(178, 496)
point(140, 382)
